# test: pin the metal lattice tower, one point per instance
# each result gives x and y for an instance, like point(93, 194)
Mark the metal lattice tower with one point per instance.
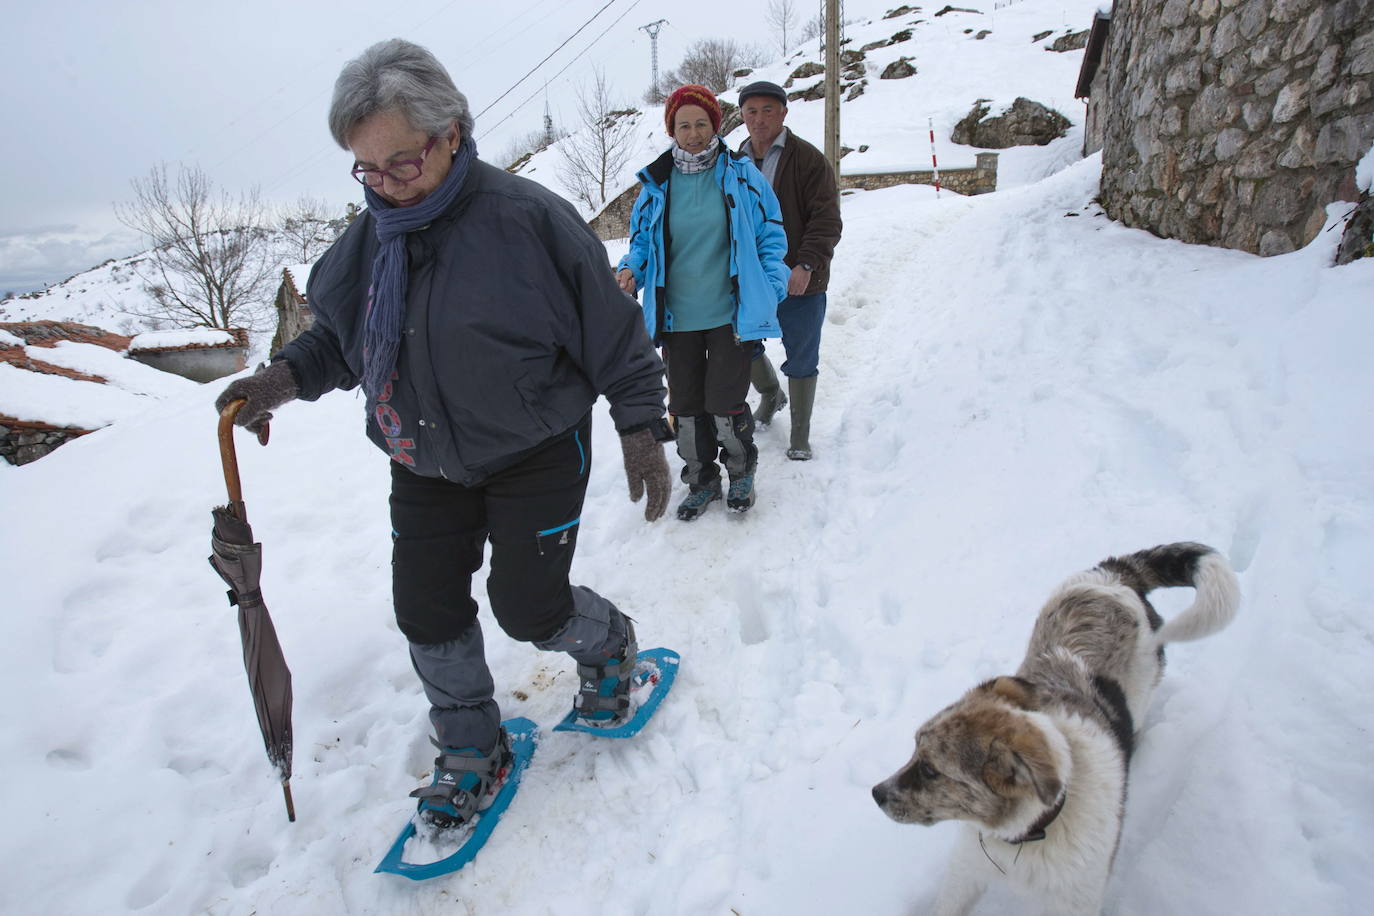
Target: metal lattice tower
point(652, 29)
point(820, 38)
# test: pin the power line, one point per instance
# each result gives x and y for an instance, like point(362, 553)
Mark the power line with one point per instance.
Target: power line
point(492, 47)
point(302, 166)
point(546, 59)
point(565, 67)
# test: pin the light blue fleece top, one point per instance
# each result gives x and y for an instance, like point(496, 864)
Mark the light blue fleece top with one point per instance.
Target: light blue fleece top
point(697, 294)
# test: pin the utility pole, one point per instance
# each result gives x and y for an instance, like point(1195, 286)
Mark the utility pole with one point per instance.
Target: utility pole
point(652, 30)
point(832, 85)
point(548, 119)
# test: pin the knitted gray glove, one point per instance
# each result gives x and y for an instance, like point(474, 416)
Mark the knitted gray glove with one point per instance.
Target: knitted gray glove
point(265, 391)
point(646, 468)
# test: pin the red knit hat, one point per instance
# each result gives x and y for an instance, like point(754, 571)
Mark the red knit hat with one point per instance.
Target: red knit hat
point(692, 94)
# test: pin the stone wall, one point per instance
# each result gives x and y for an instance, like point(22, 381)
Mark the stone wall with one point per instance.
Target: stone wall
point(1092, 90)
point(23, 441)
point(293, 314)
point(199, 362)
point(982, 179)
point(1235, 122)
point(613, 222)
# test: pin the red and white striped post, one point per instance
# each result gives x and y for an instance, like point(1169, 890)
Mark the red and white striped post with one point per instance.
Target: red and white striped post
point(933, 163)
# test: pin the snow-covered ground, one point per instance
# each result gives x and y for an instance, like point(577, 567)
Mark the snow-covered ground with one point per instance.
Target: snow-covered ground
point(1012, 388)
point(129, 388)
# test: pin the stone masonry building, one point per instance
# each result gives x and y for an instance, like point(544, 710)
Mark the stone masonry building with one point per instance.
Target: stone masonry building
point(1235, 122)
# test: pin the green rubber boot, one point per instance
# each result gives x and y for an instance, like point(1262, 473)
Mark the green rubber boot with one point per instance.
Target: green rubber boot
point(772, 399)
point(803, 398)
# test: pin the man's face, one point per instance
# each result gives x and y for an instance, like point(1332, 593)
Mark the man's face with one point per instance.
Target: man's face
point(763, 117)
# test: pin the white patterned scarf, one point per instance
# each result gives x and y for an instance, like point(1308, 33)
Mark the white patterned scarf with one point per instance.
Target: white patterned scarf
point(691, 163)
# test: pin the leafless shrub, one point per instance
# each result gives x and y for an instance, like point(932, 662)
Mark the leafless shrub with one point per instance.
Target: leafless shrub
point(209, 264)
point(596, 154)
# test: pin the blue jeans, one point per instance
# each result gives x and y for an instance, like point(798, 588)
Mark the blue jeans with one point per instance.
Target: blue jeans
point(801, 319)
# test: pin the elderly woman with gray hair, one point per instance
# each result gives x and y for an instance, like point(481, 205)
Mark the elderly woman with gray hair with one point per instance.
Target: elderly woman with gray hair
point(478, 313)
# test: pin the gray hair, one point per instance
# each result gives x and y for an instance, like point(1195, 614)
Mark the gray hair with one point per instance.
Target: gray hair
point(396, 74)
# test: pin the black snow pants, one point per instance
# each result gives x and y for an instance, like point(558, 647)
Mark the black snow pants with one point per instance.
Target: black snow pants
point(530, 513)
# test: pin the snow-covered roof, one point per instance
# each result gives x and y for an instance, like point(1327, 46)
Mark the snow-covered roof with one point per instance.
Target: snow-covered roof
point(181, 338)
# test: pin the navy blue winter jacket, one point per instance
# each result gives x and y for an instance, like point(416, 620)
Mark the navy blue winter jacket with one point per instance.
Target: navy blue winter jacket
point(514, 324)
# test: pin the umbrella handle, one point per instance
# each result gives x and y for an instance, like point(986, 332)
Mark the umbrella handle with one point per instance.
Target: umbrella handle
point(230, 459)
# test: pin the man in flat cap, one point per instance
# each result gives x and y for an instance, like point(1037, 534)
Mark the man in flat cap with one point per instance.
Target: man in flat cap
point(805, 185)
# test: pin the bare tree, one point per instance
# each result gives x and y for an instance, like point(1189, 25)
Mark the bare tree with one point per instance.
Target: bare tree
point(522, 147)
point(712, 62)
point(813, 29)
point(782, 19)
point(309, 229)
point(208, 265)
point(596, 154)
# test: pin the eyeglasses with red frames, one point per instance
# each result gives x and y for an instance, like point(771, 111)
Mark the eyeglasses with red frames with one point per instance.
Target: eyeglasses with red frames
point(403, 172)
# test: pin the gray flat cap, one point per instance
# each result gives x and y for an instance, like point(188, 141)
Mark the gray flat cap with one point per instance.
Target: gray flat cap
point(763, 87)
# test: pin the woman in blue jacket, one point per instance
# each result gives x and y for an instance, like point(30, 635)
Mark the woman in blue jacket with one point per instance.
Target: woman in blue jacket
point(707, 220)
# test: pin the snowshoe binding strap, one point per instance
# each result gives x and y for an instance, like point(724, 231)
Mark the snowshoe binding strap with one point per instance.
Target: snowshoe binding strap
point(463, 783)
point(603, 693)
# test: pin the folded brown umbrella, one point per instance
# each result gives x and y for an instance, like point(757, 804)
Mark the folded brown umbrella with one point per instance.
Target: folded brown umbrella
point(238, 560)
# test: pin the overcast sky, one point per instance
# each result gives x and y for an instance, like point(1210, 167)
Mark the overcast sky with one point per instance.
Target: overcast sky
point(94, 94)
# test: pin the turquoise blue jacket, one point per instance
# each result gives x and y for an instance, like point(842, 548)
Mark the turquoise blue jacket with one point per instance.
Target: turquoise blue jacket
point(757, 244)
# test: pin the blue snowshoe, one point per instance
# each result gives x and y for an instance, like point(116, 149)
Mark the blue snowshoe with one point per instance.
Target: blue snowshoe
point(433, 850)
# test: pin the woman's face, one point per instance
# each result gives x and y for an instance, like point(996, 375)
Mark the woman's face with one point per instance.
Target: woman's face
point(385, 138)
point(692, 128)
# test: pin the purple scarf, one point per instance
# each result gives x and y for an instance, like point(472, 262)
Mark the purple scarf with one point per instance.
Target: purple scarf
point(386, 297)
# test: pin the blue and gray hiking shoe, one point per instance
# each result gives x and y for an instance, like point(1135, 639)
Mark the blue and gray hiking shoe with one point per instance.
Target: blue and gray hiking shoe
point(603, 693)
point(741, 495)
point(465, 782)
point(696, 502)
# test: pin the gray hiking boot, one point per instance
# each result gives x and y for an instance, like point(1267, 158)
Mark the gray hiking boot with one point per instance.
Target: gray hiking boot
point(691, 508)
point(740, 497)
point(465, 782)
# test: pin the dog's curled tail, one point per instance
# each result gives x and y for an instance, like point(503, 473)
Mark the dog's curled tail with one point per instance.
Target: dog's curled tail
point(1183, 564)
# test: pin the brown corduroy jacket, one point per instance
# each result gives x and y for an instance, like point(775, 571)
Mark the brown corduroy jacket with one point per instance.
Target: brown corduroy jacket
point(810, 199)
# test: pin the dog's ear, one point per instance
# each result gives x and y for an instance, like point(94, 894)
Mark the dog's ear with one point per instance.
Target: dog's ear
point(1016, 691)
point(1020, 764)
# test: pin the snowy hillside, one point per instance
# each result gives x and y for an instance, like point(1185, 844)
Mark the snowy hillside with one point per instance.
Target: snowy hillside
point(99, 296)
point(893, 118)
point(1012, 388)
point(113, 295)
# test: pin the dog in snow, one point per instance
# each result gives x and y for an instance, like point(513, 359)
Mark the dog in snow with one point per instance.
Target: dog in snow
point(1035, 763)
